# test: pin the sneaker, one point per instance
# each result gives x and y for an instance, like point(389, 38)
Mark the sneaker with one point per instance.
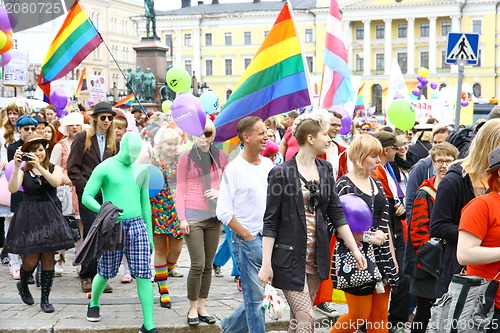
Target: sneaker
point(218, 271)
point(236, 278)
point(5, 259)
point(93, 313)
point(15, 269)
point(127, 278)
point(86, 285)
point(327, 309)
point(175, 272)
point(144, 330)
point(59, 268)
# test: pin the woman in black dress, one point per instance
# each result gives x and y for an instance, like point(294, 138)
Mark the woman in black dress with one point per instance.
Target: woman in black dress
point(38, 228)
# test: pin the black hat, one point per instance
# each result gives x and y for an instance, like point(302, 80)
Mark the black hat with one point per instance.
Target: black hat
point(40, 120)
point(494, 160)
point(137, 109)
point(387, 139)
point(103, 107)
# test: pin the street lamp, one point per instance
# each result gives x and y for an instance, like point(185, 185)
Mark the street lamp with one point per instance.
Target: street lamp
point(110, 97)
point(30, 91)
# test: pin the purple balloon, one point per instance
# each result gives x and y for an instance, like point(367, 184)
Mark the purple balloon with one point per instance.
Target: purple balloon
point(399, 96)
point(420, 86)
point(434, 85)
point(58, 98)
point(4, 20)
point(90, 103)
point(345, 123)
point(415, 91)
point(188, 114)
point(12, 20)
point(424, 81)
point(465, 103)
point(6, 57)
point(9, 168)
point(340, 109)
point(419, 78)
point(61, 112)
point(357, 213)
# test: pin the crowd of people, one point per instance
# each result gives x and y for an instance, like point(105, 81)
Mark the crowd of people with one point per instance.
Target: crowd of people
point(293, 169)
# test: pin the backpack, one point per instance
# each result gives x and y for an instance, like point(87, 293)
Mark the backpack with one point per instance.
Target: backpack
point(467, 307)
point(461, 138)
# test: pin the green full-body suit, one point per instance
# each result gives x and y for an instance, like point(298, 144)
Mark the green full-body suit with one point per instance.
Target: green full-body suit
point(124, 182)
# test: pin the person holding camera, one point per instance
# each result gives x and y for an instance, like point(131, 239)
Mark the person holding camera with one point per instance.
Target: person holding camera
point(38, 228)
point(199, 172)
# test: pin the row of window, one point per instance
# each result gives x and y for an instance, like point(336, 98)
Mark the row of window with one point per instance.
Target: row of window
point(228, 38)
point(125, 51)
point(424, 29)
point(402, 58)
point(114, 25)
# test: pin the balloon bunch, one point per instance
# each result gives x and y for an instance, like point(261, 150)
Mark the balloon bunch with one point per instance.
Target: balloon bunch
point(346, 121)
point(464, 101)
point(423, 73)
point(8, 21)
point(434, 86)
point(59, 99)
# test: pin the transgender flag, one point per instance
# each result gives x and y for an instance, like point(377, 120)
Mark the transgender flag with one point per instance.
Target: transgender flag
point(336, 88)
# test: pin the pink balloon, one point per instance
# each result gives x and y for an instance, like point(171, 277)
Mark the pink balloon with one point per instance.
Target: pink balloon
point(371, 111)
point(9, 168)
point(58, 98)
point(415, 91)
point(357, 213)
point(6, 56)
point(345, 123)
point(188, 114)
point(399, 96)
point(340, 109)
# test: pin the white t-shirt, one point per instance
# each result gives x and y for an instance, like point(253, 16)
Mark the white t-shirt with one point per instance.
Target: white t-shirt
point(243, 192)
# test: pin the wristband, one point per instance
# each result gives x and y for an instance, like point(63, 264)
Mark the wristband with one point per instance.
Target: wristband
point(366, 236)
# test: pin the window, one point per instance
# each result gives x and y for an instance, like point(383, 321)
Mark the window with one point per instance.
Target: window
point(309, 61)
point(125, 27)
point(125, 53)
point(228, 93)
point(445, 28)
point(187, 40)
point(308, 36)
point(247, 62)
point(443, 60)
point(476, 26)
point(424, 29)
point(188, 66)
point(228, 66)
point(228, 38)
point(168, 42)
point(209, 67)
point(403, 61)
point(265, 33)
point(476, 90)
point(113, 24)
point(14, 44)
point(379, 65)
point(360, 32)
point(247, 36)
point(377, 96)
point(379, 31)
point(424, 59)
point(402, 30)
point(359, 63)
point(208, 39)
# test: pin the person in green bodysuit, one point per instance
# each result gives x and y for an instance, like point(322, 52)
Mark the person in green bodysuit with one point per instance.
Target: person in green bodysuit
point(124, 183)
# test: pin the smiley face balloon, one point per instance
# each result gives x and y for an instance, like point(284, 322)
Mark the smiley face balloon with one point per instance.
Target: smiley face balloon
point(178, 80)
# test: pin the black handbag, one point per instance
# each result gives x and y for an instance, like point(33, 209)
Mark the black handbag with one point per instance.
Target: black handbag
point(345, 272)
point(73, 227)
point(430, 255)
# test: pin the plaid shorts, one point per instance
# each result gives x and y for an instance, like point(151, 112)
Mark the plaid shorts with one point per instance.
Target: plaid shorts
point(136, 251)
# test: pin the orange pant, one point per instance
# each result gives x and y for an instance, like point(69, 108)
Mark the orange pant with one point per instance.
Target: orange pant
point(372, 308)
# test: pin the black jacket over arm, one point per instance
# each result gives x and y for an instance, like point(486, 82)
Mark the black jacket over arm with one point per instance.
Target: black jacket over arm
point(285, 220)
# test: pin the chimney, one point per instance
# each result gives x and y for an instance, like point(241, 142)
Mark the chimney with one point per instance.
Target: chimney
point(215, 2)
point(186, 3)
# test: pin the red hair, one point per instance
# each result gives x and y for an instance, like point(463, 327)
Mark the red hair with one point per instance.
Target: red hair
point(494, 181)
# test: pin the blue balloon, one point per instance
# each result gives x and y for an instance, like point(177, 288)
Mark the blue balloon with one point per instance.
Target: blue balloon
point(156, 181)
point(210, 102)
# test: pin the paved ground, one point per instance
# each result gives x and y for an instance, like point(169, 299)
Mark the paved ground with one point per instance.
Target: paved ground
point(121, 310)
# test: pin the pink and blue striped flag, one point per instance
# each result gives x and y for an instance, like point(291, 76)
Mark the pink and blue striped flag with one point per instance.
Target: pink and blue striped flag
point(336, 87)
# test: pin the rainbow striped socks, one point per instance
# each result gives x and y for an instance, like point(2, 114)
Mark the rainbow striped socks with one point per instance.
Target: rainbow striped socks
point(162, 278)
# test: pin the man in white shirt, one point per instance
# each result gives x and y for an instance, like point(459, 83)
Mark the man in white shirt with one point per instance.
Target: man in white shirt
point(241, 206)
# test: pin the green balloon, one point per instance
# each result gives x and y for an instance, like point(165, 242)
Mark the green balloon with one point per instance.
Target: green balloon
point(165, 106)
point(402, 114)
point(178, 80)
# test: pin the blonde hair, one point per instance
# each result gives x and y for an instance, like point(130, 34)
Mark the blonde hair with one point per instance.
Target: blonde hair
point(168, 135)
point(110, 137)
point(361, 147)
point(444, 148)
point(120, 121)
point(310, 124)
point(273, 121)
point(21, 110)
point(209, 126)
point(486, 139)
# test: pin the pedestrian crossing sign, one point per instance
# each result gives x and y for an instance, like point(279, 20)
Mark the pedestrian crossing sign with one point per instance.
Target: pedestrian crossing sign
point(462, 46)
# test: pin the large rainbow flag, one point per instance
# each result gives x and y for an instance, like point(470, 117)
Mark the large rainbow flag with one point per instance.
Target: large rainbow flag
point(273, 83)
point(128, 100)
point(76, 38)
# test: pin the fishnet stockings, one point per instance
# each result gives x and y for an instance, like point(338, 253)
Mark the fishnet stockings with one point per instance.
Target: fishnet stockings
point(301, 305)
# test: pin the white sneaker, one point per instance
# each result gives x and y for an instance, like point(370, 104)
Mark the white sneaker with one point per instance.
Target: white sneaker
point(59, 268)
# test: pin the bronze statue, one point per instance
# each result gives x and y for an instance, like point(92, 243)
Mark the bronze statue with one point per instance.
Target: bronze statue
point(149, 85)
point(150, 14)
point(130, 81)
point(137, 83)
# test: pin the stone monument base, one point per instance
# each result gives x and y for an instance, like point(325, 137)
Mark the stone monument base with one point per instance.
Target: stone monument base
point(154, 107)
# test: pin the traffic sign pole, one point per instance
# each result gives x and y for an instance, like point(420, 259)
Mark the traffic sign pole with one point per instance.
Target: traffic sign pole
point(458, 105)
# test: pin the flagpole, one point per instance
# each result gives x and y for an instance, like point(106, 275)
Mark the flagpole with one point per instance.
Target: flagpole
point(306, 69)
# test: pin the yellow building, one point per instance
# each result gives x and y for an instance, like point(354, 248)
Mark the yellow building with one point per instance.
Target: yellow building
point(216, 41)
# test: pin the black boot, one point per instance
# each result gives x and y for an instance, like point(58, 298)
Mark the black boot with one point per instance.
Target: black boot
point(22, 287)
point(38, 274)
point(46, 283)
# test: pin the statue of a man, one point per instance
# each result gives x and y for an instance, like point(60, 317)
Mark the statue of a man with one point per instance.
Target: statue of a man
point(149, 85)
point(137, 83)
point(150, 14)
point(130, 80)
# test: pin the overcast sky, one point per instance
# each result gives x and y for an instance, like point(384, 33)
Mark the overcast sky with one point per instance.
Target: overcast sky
point(176, 4)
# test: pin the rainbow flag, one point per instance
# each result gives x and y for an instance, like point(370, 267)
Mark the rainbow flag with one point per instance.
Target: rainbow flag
point(336, 87)
point(76, 38)
point(360, 101)
point(82, 82)
point(273, 83)
point(125, 101)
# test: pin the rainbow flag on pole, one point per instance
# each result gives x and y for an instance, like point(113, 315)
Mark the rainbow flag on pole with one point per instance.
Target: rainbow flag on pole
point(360, 101)
point(125, 101)
point(76, 38)
point(273, 83)
point(82, 82)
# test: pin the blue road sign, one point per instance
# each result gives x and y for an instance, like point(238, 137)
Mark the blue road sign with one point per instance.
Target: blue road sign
point(462, 46)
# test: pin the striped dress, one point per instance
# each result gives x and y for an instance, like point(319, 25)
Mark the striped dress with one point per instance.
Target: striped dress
point(383, 255)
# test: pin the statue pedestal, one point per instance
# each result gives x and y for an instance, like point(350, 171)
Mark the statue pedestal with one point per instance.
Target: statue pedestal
point(152, 53)
point(155, 107)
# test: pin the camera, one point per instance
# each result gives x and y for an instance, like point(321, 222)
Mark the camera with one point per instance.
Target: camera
point(25, 157)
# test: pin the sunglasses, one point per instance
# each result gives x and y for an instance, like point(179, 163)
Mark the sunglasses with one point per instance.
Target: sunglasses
point(103, 118)
point(207, 134)
point(26, 128)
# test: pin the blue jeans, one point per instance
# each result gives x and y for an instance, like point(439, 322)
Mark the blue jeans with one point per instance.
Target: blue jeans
point(225, 251)
point(250, 315)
